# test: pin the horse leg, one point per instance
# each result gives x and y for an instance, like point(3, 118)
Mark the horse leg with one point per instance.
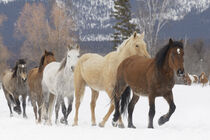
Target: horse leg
point(79, 92)
point(17, 108)
point(131, 106)
point(9, 101)
point(57, 107)
point(93, 105)
point(64, 119)
point(151, 111)
point(172, 107)
point(111, 109)
point(40, 103)
point(50, 108)
point(33, 103)
point(24, 106)
point(70, 101)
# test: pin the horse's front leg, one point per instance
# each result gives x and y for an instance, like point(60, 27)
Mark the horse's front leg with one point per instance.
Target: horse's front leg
point(57, 107)
point(151, 111)
point(17, 108)
point(24, 106)
point(172, 107)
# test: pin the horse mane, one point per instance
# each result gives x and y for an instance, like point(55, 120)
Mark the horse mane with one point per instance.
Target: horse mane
point(63, 64)
point(161, 55)
point(43, 58)
point(14, 70)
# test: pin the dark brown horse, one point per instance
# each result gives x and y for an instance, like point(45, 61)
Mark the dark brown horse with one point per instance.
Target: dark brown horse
point(14, 85)
point(148, 77)
point(34, 82)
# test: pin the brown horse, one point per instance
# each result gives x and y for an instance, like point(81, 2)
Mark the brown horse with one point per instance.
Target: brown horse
point(149, 77)
point(203, 79)
point(14, 85)
point(34, 82)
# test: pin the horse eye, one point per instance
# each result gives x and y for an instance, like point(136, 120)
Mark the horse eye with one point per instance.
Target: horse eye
point(137, 46)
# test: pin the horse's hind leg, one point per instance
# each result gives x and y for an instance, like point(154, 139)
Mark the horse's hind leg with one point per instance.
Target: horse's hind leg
point(131, 106)
point(111, 109)
point(79, 92)
point(172, 107)
point(33, 103)
point(92, 106)
point(24, 106)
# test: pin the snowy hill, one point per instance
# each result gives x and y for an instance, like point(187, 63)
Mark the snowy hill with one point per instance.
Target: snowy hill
point(191, 120)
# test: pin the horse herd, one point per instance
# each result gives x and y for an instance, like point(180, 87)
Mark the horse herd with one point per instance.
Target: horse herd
point(194, 79)
point(128, 68)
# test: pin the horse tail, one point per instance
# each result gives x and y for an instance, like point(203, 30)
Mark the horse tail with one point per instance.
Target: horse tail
point(125, 98)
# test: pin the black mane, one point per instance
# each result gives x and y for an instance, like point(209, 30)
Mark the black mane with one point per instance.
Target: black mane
point(42, 60)
point(14, 70)
point(161, 55)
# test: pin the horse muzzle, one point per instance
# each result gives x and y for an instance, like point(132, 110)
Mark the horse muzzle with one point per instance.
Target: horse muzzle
point(180, 72)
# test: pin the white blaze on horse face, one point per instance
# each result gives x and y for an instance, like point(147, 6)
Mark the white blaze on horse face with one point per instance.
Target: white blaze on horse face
point(178, 50)
point(72, 57)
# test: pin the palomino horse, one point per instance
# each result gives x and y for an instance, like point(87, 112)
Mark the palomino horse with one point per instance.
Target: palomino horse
point(203, 79)
point(99, 73)
point(190, 79)
point(148, 77)
point(58, 79)
point(14, 85)
point(34, 82)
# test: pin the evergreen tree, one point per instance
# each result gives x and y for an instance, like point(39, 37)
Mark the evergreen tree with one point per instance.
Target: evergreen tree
point(123, 27)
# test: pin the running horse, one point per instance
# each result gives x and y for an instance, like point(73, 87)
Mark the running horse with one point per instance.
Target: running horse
point(152, 77)
point(34, 81)
point(99, 73)
point(14, 85)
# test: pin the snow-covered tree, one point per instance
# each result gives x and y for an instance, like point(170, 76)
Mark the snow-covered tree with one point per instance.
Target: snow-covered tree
point(153, 15)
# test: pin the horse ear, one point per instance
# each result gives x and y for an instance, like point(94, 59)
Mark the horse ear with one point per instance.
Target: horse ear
point(134, 34)
point(77, 47)
point(170, 41)
point(69, 47)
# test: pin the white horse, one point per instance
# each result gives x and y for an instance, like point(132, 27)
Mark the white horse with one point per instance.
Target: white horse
point(58, 80)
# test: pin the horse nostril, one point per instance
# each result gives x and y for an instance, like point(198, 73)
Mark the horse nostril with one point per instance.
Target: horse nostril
point(72, 68)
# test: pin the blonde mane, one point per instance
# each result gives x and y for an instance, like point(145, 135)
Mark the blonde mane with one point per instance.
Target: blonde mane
point(121, 46)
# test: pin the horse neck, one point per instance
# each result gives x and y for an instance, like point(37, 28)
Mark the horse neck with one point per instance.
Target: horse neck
point(124, 53)
point(166, 71)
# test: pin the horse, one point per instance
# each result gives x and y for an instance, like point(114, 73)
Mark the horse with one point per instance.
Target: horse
point(190, 79)
point(14, 85)
point(99, 73)
point(34, 83)
point(58, 80)
point(152, 77)
point(203, 79)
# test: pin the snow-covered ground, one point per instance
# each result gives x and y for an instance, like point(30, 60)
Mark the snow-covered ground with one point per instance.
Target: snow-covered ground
point(191, 120)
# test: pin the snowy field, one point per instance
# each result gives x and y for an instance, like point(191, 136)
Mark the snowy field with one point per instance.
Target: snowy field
point(191, 120)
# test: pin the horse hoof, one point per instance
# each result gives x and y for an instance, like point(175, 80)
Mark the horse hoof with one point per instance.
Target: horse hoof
point(151, 127)
point(101, 125)
point(162, 120)
point(75, 124)
point(121, 126)
point(93, 124)
point(114, 124)
point(131, 126)
point(25, 116)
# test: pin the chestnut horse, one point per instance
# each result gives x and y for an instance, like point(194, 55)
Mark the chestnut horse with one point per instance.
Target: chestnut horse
point(203, 79)
point(99, 73)
point(34, 82)
point(148, 77)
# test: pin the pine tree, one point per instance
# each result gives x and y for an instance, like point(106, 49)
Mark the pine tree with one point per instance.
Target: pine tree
point(123, 27)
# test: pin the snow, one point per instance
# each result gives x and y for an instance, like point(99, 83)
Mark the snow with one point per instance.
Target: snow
point(190, 120)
